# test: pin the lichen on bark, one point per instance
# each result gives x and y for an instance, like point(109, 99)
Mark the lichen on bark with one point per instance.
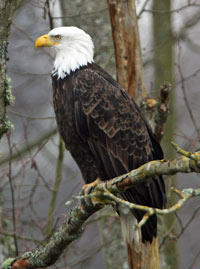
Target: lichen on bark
point(6, 97)
point(7, 9)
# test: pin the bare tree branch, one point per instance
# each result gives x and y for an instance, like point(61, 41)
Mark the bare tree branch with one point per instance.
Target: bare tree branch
point(38, 141)
point(171, 10)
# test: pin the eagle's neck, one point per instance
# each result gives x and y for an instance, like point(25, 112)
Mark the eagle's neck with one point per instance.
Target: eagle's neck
point(72, 56)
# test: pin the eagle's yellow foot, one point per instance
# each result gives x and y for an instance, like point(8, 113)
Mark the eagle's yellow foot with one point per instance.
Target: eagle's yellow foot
point(88, 188)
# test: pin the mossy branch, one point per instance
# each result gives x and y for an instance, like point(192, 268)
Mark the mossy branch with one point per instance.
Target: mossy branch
point(7, 9)
point(103, 194)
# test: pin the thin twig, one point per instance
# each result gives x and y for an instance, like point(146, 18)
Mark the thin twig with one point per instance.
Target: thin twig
point(194, 261)
point(142, 9)
point(170, 10)
point(38, 141)
point(29, 117)
point(188, 223)
point(25, 238)
point(12, 194)
point(48, 11)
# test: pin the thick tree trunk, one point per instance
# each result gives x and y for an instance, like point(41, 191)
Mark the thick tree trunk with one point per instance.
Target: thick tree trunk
point(129, 68)
point(7, 9)
point(163, 72)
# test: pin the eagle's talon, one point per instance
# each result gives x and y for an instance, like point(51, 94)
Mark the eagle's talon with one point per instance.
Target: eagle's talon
point(88, 188)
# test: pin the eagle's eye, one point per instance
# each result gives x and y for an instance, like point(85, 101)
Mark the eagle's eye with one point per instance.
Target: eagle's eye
point(57, 37)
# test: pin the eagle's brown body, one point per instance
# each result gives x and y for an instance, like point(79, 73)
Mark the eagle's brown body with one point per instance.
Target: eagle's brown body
point(106, 134)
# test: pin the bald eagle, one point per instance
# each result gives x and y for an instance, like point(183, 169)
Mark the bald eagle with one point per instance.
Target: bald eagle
point(100, 123)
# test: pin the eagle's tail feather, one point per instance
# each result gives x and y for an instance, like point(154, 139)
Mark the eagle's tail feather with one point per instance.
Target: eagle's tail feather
point(140, 254)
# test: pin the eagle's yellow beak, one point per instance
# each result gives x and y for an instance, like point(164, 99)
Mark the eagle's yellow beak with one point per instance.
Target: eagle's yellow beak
point(45, 41)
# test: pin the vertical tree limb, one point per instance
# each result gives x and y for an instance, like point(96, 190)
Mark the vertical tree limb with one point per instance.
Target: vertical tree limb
point(163, 71)
point(7, 9)
point(58, 177)
point(129, 66)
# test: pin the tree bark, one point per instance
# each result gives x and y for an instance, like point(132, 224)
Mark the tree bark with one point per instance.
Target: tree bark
point(7, 9)
point(128, 57)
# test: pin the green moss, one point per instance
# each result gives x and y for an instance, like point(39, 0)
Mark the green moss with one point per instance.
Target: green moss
point(5, 126)
point(6, 241)
point(8, 263)
point(8, 97)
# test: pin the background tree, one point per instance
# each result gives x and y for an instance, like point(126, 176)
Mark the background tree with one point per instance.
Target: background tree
point(164, 71)
point(7, 9)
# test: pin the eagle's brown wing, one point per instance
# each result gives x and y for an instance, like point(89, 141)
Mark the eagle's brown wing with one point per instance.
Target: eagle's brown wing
point(120, 140)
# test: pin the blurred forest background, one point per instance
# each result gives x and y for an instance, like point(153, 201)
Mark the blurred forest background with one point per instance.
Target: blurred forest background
point(170, 40)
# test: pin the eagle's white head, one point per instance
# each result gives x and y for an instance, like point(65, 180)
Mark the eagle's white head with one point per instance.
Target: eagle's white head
point(74, 48)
